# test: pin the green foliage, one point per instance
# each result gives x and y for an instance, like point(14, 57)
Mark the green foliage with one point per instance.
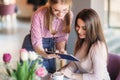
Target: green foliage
point(25, 71)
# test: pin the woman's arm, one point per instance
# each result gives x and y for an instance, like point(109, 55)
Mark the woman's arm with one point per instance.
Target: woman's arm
point(61, 46)
point(69, 69)
point(99, 60)
point(62, 40)
point(36, 35)
point(44, 54)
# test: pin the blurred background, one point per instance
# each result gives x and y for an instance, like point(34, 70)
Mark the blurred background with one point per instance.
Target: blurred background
point(15, 23)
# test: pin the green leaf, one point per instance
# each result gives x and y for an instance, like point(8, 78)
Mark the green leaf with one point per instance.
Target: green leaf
point(8, 71)
point(26, 66)
point(25, 71)
point(14, 74)
point(32, 70)
point(21, 71)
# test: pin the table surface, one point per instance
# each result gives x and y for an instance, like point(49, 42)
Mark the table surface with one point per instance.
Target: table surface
point(5, 77)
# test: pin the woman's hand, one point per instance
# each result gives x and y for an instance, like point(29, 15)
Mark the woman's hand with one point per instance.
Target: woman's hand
point(71, 75)
point(50, 56)
point(67, 73)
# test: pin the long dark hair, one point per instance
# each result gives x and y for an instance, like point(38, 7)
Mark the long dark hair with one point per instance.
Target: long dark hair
point(94, 30)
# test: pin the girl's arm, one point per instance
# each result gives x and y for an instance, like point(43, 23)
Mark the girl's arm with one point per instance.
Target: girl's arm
point(36, 35)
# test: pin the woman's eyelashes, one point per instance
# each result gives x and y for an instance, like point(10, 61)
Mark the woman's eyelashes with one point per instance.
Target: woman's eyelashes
point(80, 27)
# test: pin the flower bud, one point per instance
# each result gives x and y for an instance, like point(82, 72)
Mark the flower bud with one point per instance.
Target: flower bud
point(6, 57)
point(33, 55)
point(24, 54)
point(41, 72)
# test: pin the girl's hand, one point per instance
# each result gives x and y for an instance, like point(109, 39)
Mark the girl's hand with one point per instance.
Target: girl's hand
point(63, 51)
point(50, 56)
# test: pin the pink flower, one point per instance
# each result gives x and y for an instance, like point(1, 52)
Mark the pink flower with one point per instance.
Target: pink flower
point(6, 57)
point(41, 72)
point(23, 50)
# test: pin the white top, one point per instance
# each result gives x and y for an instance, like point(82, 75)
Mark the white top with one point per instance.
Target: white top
point(94, 66)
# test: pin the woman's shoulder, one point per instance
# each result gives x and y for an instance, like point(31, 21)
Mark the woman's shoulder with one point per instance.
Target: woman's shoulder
point(98, 44)
point(71, 12)
point(98, 47)
point(41, 10)
point(99, 50)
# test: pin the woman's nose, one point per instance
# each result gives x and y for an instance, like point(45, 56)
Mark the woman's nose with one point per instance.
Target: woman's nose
point(79, 30)
point(60, 14)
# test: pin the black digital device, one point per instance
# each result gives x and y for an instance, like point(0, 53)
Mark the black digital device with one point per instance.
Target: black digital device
point(64, 56)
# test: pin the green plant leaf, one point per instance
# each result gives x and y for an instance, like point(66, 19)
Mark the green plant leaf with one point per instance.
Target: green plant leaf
point(21, 71)
point(14, 74)
point(25, 70)
point(32, 69)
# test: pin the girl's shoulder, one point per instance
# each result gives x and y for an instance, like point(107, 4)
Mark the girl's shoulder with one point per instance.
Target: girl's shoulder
point(41, 10)
point(71, 14)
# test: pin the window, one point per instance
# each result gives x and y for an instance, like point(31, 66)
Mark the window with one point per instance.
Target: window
point(113, 13)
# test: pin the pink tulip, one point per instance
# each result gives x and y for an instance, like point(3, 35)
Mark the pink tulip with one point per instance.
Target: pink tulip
point(6, 57)
point(41, 72)
point(23, 50)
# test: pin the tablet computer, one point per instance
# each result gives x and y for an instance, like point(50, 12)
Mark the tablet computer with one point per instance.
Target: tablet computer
point(65, 56)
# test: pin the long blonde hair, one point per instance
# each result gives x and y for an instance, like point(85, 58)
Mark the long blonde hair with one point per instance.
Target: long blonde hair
point(49, 15)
